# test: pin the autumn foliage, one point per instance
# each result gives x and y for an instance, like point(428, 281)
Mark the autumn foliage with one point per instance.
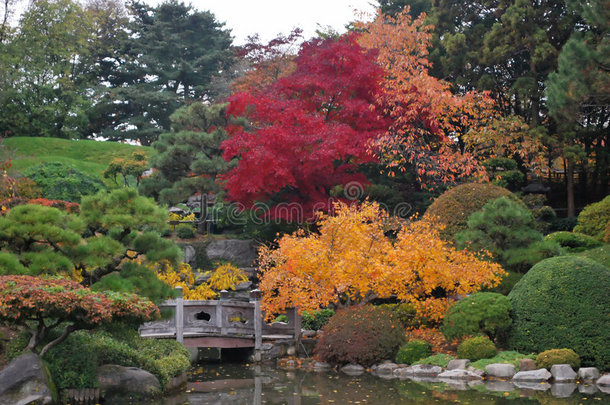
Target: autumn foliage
point(352, 260)
point(47, 303)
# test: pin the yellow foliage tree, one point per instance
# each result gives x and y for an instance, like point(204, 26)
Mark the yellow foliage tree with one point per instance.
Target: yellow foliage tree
point(351, 260)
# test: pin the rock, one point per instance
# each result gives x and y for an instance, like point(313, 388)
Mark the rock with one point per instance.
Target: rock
point(587, 389)
point(291, 351)
point(201, 278)
point(563, 373)
point(426, 370)
point(539, 375)
point(403, 372)
point(386, 369)
point(604, 388)
point(321, 366)
point(244, 286)
point(425, 379)
point(25, 380)
point(500, 370)
point(588, 373)
point(176, 383)
point(352, 369)
point(189, 254)
point(604, 380)
point(459, 374)
point(458, 364)
point(241, 253)
point(532, 385)
point(499, 386)
point(308, 333)
point(562, 390)
point(117, 380)
point(476, 371)
point(527, 365)
point(193, 354)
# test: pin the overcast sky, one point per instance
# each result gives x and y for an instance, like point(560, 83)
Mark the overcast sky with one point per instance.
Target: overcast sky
point(271, 17)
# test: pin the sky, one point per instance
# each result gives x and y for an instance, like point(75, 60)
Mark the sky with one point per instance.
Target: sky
point(268, 18)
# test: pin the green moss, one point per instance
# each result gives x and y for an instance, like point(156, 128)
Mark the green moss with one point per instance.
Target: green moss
point(439, 359)
point(507, 357)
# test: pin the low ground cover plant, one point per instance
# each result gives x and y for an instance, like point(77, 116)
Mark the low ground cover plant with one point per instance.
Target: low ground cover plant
point(506, 357)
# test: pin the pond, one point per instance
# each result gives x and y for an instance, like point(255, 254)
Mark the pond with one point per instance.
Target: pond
point(236, 384)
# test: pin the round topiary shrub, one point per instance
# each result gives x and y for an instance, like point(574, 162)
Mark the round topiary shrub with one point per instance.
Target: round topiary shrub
point(412, 351)
point(482, 313)
point(548, 358)
point(453, 207)
point(476, 348)
point(573, 242)
point(185, 231)
point(563, 302)
point(361, 335)
point(593, 219)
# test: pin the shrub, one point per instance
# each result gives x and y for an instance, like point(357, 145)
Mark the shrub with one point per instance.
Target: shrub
point(563, 224)
point(507, 283)
point(563, 302)
point(317, 319)
point(362, 335)
point(439, 359)
point(433, 336)
point(185, 231)
point(405, 313)
point(600, 255)
point(507, 230)
point(548, 358)
point(507, 357)
point(476, 348)
point(412, 351)
point(62, 182)
point(593, 219)
point(484, 312)
point(453, 207)
point(573, 242)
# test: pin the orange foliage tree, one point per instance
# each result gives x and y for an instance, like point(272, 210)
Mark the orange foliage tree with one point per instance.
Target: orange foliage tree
point(351, 260)
point(428, 119)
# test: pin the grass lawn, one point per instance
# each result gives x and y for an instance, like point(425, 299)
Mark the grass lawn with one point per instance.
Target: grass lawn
point(88, 156)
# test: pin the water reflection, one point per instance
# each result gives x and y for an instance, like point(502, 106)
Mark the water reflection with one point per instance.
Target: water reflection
point(235, 384)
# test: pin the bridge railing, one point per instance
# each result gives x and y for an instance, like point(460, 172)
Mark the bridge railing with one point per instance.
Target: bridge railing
point(221, 317)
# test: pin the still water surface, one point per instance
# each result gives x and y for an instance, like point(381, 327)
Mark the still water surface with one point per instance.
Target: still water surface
point(237, 384)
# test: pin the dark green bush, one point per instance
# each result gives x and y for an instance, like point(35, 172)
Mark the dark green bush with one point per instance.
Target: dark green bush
point(405, 313)
point(507, 283)
point(548, 358)
point(563, 224)
point(573, 242)
point(317, 319)
point(476, 348)
point(62, 182)
point(481, 313)
point(563, 302)
point(507, 230)
point(593, 219)
point(453, 207)
point(412, 351)
point(362, 335)
point(185, 231)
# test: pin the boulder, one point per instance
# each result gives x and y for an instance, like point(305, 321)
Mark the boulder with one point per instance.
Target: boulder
point(476, 371)
point(527, 365)
point(588, 373)
point(500, 370)
point(403, 372)
point(352, 369)
point(386, 369)
point(241, 253)
point(427, 370)
point(25, 380)
point(539, 375)
point(458, 364)
point(459, 374)
point(562, 390)
point(604, 380)
point(189, 254)
point(117, 380)
point(563, 373)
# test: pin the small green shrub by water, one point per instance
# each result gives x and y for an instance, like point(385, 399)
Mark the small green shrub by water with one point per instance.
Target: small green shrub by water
point(412, 351)
point(548, 358)
point(507, 357)
point(439, 359)
point(476, 348)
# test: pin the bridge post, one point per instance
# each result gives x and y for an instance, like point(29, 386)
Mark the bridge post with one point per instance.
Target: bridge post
point(255, 296)
point(179, 316)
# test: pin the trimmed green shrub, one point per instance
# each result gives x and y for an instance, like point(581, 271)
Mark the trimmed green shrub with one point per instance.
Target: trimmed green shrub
point(593, 219)
point(507, 230)
point(453, 207)
point(507, 357)
point(62, 182)
point(573, 242)
point(412, 351)
point(548, 358)
point(363, 335)
point(185, 231)
point(439, 359)
point(563, 302)
point(563, 224)
point(481, 313)
point(476, 348)
point(600, 255)
point(317, 319)
point(507, 283)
